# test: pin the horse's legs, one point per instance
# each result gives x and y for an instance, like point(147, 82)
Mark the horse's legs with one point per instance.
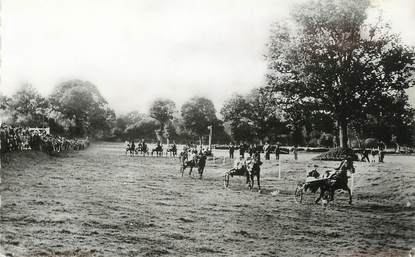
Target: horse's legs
point(226, 180)
point(332, 194)
point(252, 181)
point(322, 190)
point(350, 194)
point(183, 168)
point(259, 183)
point(201, 173)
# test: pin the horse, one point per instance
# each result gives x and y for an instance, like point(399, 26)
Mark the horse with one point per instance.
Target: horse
point(250, 169)
point(337, 181)
point(158, 149)
point(172, 149)
point(143, 149)
point(185, 162)
point(254, 170)
point(130, 148)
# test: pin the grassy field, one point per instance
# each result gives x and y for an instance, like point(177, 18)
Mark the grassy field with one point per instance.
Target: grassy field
point(99, 202)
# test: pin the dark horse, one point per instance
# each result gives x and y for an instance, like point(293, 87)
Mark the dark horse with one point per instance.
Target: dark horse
point(250, 169)
point(336, 181)
point(130, 148)
point(141, 148)
point(198, 161)
point(158, 149)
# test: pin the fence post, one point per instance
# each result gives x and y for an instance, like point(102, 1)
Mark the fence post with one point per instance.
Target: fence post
point(352, 184)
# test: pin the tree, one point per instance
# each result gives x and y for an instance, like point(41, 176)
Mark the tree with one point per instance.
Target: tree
point(235, 111)
point(266, 117)
point(4, 107)
point(142, 129)
point(198, 113)
point(253, 116)
point(27, 107)
point(163, 110)
point(333, 61)
point(82, 105)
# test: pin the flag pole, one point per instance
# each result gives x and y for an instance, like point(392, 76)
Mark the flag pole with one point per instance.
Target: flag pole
point(210, 137)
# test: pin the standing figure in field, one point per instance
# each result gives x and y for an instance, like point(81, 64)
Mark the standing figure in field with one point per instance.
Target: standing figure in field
point(201, 163)
point(267, 150)
point(295, 152)
point(365, 155)
point(277, 152)
point(373, 152)
point(242, 150)
point(231, 150)
point(381, 151)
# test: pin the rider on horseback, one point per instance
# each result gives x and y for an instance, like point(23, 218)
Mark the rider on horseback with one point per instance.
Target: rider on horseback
point(345, 166)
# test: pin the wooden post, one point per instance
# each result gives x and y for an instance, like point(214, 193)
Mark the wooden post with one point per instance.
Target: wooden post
point(352, 184)
point(210, 137)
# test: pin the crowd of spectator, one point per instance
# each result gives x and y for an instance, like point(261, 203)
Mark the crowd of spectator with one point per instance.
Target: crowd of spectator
point(17, 139)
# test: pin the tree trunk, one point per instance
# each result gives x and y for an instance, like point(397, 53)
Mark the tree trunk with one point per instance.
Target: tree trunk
point(343, 133)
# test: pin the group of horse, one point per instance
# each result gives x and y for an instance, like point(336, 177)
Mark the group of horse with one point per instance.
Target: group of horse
point(143, 149)
point(251, 168)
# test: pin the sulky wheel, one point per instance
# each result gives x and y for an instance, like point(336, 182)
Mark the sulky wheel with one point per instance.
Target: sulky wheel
point(298, 193)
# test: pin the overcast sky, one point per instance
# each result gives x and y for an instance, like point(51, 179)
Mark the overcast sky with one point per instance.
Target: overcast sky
point(138, 50)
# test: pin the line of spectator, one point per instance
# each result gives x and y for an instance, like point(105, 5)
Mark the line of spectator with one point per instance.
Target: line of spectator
point(17, 139)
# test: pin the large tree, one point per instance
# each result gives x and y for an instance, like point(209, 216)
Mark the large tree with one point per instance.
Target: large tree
point(331, 60)
point(253, 116)
point(163, 110)
point(27, 107)
point(234, 111)
point(81, 103)
point(197, 114)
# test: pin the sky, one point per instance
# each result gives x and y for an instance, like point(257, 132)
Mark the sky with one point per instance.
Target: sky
point(135, 51)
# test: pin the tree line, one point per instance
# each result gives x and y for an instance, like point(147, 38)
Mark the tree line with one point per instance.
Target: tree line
point(332, 78)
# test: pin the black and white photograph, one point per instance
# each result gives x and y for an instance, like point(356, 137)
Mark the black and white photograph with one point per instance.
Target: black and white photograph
point(243, 128)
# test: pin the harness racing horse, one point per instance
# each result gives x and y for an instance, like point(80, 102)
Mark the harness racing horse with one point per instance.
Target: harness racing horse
point(141, 148)
point(172, 150)
point(158, 149)
point(130, 148)
point(250, 169)
point(254, 170)
point(185, 162)
point(337, 181)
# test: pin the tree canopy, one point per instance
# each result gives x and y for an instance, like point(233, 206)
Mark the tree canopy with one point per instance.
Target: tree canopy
point(253, 116)
point(82, 104)
point(27, 107)
point(163, 110)
point(198, 113)
point(331, 60)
